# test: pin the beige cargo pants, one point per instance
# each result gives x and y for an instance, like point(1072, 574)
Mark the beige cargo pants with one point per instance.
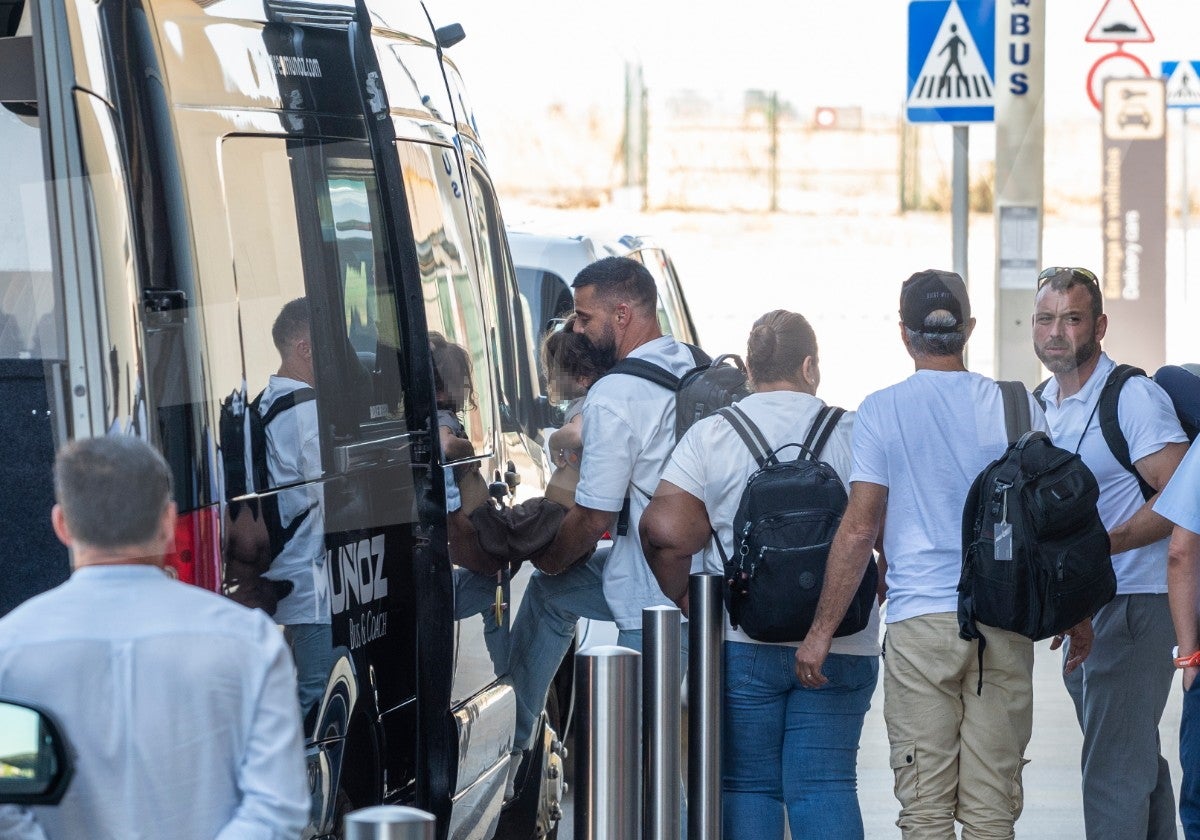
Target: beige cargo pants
point(957, 754)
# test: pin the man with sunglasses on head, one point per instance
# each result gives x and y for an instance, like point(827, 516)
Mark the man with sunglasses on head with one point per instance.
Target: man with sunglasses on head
point(1121, 690)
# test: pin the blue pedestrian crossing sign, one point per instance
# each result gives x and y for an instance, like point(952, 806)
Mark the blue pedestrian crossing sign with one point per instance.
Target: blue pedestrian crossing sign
point(1183, 83)
point(951, 61)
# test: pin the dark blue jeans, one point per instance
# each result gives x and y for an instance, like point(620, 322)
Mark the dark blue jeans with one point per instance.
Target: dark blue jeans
point(792, 748)
point(1189, 758)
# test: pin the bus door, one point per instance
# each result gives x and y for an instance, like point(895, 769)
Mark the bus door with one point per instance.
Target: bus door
point(305, 223)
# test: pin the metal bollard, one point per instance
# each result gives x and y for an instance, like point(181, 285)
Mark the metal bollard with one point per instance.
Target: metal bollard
point(705, 683)
point(608, 770)
point(660, 721)
point(390, 822)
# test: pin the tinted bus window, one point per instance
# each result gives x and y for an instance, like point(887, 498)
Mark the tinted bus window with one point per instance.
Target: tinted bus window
point(29, 325)
point(453, 307)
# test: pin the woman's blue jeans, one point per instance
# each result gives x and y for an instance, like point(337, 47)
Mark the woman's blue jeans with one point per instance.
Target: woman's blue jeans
point(792, 748)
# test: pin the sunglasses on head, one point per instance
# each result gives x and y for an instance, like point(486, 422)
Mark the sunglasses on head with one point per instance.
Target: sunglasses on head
point(1082, 274)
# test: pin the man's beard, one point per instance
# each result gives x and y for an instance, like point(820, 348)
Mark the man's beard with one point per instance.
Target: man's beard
point(1066, 364)
point(604, 354)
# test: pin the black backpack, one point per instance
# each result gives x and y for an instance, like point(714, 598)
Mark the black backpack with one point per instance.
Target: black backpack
point(254, 521)
point(782, 533)
point(1110, 425)
point(1060, 570)
point(711, 385)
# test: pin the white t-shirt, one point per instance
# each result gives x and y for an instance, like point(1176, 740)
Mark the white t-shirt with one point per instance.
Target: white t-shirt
point(926, 439)
point(713, 463)
point(1149, 423)
point(294, 456)
point(1180, 499)
point(629, 429)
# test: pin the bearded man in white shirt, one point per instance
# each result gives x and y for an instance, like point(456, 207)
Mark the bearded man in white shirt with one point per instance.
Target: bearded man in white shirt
point(628, 432)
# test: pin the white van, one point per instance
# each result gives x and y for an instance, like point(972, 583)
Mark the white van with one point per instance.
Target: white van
point(547, 264)
point(174, 173)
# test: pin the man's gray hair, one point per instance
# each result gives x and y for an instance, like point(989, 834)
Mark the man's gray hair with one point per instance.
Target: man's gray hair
point(113, 490)
point(937, 343)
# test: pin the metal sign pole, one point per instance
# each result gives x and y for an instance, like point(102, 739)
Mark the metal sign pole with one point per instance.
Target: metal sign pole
point(1185, 209)
point(960, 205)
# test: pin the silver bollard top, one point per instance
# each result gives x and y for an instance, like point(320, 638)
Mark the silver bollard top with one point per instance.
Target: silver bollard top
point(608, 651)
point(390, 822)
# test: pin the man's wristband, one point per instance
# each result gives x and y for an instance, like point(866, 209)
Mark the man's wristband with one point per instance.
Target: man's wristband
point(1191, 661)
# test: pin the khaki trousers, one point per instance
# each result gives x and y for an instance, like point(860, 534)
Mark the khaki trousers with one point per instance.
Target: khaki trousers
point(957, 755)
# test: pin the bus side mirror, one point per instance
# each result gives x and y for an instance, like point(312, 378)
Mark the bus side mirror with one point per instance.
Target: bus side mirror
point(35, 766)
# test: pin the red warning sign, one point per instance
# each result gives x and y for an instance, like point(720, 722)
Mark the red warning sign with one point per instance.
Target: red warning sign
point(1120, 22)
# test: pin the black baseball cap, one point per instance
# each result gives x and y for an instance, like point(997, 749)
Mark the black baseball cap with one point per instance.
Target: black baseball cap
point(930, 290)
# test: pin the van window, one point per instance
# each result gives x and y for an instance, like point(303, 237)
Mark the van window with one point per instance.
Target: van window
point(453, 307)
point(671, 315)
point(547, 295)
point(304, 222)
point(510, 345)
point(29, 317)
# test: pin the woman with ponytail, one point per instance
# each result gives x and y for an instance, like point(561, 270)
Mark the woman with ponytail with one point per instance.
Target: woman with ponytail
point(788, 749)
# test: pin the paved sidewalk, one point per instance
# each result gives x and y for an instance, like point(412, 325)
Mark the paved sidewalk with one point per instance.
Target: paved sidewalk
point(1053, 802)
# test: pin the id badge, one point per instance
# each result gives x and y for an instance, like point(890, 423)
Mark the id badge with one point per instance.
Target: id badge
point(1002, 541)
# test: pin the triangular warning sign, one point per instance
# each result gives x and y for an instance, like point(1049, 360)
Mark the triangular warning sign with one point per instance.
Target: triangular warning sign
point(1183, 85)
point(1120, 21)
point(953, 74)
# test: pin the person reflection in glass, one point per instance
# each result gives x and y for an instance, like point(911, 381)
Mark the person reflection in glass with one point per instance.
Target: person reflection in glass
point(477, 576)
point(289, 412)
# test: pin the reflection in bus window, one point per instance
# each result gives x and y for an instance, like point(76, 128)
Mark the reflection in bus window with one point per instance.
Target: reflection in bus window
point(356, 256)
point(452, 304)
point(29, 320)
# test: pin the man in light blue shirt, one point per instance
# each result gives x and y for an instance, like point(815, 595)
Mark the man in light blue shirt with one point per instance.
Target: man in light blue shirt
point(179, 705)
point(1120, 692)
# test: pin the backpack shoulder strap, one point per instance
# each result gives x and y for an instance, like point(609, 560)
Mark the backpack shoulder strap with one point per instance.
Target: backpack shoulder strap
point(1038, 391)
point(750, 434)
point(701, 358)
point(1110, 423)
point(821, 429)
point(646, 370)
point(1016, 410)
point(284, 403)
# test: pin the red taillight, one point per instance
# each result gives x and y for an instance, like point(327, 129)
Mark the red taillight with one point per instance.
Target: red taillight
point(196, 557)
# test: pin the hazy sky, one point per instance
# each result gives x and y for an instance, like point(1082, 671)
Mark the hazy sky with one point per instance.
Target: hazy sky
point(838, 52)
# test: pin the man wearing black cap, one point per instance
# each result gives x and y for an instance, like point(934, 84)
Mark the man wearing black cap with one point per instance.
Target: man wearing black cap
point(918, 445)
